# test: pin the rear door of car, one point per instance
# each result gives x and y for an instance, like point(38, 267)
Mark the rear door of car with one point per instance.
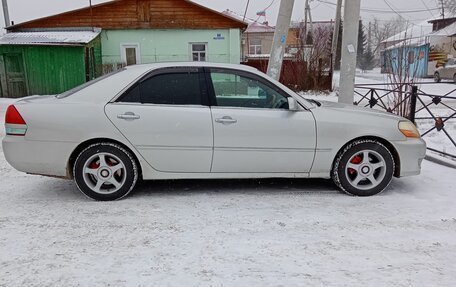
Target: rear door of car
point(166, 117)
point(254, 131)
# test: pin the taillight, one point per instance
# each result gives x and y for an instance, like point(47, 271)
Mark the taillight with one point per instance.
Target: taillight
point(14, 123)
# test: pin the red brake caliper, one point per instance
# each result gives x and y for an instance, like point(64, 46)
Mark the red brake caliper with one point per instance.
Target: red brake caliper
point(94, 165)
point(356, 160)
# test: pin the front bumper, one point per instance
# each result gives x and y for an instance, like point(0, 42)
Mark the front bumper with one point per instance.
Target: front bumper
point(411, 154)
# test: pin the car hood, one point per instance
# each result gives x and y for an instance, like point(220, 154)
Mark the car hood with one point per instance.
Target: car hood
point(358, 110)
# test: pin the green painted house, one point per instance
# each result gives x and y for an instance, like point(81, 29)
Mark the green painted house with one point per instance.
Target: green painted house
point(48, 61)
point(130, 32)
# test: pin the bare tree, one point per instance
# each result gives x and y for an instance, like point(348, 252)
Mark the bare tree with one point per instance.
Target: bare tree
point(450, 6)
point(402, 67)
point(382, 30)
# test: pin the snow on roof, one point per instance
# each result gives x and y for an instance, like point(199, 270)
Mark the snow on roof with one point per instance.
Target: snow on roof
point(237, 16)
point(414, 31)
point(259, 28)
point(416, 42)
point(314, 24)
point(66, 38)
point(449, 30)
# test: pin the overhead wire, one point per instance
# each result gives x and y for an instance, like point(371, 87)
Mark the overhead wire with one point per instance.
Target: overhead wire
point(429, 10)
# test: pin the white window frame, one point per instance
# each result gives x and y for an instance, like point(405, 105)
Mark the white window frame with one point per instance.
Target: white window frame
point(255, 46)
point(190, 48)
point(123, 51)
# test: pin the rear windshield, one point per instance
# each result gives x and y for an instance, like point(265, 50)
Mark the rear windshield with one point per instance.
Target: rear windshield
point(85, 85)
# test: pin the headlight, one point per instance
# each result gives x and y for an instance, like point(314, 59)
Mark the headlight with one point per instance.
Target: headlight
point(409, 129)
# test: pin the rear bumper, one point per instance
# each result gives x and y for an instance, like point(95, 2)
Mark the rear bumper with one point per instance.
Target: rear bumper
point(37, 157)
point(411, 154)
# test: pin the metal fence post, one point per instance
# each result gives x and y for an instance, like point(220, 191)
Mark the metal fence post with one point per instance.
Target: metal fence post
point(372, 101)
point(413, 98)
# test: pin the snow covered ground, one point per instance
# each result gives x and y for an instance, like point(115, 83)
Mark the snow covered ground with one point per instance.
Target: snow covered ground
point(228, 233)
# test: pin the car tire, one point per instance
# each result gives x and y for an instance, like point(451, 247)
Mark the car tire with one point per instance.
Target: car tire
point(437, 78)
point(454, 78)
point(363, 168)
point(105, 172)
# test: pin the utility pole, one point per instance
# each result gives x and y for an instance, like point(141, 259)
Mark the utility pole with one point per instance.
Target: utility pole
point(280, 39)
point(306, 7)
point(335, 39)
point(349, 47)
point(443, 9)
point(6, 13)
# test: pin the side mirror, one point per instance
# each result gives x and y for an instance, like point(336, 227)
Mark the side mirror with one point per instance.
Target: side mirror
point(292, 104)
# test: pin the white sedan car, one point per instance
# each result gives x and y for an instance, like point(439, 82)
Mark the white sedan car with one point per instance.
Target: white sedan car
point(202, 120)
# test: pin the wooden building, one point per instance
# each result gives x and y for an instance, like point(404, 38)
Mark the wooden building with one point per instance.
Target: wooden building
point(47, 62)
point(145, 31)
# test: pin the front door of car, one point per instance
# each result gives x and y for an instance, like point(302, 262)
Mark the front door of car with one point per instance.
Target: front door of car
point(166, 118)
point(254, 131)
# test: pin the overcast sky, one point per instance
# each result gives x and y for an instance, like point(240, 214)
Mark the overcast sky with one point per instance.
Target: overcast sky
point(23, 10)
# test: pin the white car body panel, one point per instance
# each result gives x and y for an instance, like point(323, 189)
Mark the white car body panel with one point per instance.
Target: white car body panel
point(170, 138)
point(284, 141)
point(262, 144)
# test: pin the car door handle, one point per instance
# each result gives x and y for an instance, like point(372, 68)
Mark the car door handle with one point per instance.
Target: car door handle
point(226, 120)
point(129, 116)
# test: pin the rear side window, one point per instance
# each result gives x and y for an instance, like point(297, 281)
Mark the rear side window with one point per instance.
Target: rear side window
point(167, 89)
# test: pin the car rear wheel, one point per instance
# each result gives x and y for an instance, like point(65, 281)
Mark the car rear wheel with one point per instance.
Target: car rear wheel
point(363, 168)
point(105, 171)
point(437, 78)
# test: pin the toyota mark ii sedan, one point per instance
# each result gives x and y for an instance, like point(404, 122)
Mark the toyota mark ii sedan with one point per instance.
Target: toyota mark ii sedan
point(204, 121)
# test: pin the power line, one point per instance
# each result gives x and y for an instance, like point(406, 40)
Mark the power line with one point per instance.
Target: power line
point(264, 10)
point(429, 10)
point(374, 10)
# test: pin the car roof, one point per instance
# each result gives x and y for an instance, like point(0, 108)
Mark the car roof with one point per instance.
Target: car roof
point(153, 66)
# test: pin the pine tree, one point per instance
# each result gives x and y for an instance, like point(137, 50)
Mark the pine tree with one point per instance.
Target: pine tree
point(362, 43)
point(367, 61)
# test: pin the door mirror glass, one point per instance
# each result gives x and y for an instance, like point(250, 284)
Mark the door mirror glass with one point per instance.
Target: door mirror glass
point(293, 104)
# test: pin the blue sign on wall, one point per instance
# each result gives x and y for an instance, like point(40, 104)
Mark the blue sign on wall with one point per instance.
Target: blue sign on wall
point(219, 37)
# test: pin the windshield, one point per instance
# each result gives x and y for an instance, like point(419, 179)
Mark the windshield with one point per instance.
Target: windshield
point(85, 85)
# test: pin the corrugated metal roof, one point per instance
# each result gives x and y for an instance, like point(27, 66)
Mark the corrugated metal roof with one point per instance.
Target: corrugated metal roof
point(60, 38)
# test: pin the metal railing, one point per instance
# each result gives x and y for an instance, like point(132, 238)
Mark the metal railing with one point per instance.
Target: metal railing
point(410, 101)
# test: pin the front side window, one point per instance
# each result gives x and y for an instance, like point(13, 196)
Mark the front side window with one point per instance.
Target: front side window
point(198, 52)
point(167, 89)
point(233, 90)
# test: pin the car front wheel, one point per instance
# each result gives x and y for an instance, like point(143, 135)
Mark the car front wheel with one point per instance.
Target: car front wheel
point(105, 171)
point(363, 168)
point(437, 78)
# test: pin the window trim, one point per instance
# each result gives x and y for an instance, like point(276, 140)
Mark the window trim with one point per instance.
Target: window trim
point(254, 46)
point(163, 71)
point(213, 97)
point(123, 52)
point(190, 48)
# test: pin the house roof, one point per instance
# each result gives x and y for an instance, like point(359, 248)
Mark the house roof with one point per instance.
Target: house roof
point(50, 38)
point(414, 31)
point(440, 20)
point(449, 31)
point(138, 14)
point(256, 27)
